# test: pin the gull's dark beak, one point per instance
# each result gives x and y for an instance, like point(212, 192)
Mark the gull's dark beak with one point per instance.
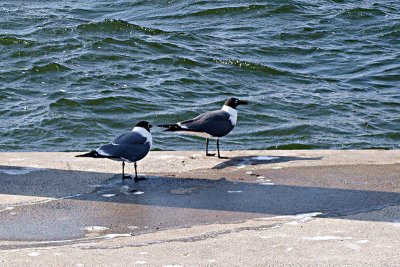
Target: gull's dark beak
point(243, 102)
point(150, 126)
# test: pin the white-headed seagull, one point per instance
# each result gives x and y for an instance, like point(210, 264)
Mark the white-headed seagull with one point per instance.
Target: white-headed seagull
point(214, 124)
point(130, 147)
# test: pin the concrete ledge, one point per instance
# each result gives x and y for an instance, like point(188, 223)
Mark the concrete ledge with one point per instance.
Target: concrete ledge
point(255, 208)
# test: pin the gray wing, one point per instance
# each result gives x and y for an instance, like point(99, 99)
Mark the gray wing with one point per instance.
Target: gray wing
point(215, 123)
point(129, 146)
point(130, 138)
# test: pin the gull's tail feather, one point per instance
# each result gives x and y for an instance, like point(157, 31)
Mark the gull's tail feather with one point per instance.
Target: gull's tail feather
point(91, 154)
point(171, 127)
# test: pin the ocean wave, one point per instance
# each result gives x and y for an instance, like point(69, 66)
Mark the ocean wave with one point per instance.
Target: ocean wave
point(115, 26)
point(358, 13)
point(8, 40)
point(293, 146)
point(64, 102)
point(51, 67)
point(250, 66)
point(227, 10)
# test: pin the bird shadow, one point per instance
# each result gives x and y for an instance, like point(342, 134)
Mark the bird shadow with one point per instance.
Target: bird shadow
point(161, 202)
point(258, 160)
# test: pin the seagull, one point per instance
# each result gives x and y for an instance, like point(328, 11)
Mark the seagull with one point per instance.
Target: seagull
point(212, 124)
point(130, 147)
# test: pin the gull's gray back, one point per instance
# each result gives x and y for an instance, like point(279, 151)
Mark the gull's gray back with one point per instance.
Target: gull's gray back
point(215, 123)
point(130, 146)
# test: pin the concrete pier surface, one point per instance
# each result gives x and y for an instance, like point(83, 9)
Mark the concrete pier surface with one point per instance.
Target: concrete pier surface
point(253, 208)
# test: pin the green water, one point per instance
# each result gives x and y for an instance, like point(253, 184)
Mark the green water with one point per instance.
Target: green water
point(318, 74)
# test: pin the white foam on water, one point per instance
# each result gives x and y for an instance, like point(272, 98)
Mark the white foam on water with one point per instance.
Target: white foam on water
point(9, 208)
point(232, 192)
point(277, 168)
point(138, 193)
point(20, 171)
point(362, 241)
point(33, 254)
point(109, 195)
point(249, 172)
point(241, 166)
point(326, 237)
point(261, 158)
point(260, 177)
point(96, 228)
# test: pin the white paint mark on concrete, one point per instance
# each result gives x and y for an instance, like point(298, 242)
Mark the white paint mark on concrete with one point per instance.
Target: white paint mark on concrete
point(109, 195)
point(267, 183)
point(232, 192)
point(125, 189)
point(34, 254)
point(302, 218)
point(71, 196)
point(326, 237)
point(110, 236)
point(96, 228)
point(262, 158)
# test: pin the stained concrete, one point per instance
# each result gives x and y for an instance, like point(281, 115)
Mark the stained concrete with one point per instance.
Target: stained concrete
point(259, 202)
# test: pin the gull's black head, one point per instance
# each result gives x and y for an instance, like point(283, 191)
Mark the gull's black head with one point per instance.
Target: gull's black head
point(234, 102)
point(144, 124)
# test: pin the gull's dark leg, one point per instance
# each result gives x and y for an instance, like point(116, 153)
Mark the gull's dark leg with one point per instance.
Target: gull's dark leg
point(137, 179)
point(219, 156)
point(218, 147)
point(208, 154)
point(123, 172)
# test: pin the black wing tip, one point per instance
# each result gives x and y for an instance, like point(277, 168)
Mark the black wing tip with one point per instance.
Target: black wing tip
point(91, 154)
point(170, 127)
